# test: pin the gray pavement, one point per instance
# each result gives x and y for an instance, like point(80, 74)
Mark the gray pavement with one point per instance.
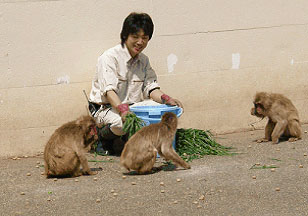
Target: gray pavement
point(216, 185)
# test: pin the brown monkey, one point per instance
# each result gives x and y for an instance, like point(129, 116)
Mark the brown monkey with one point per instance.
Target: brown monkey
point(140, 150)
point(65, 150)
point(283, 119)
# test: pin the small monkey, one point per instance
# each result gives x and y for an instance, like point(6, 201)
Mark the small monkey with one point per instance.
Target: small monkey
point(283, 119)
point(66, 148)
point(140, 151)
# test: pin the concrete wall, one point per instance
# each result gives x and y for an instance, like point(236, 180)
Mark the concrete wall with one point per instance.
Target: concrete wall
point(221, 51)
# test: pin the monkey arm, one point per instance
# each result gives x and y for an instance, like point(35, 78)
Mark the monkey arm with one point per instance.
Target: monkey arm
point(169, 154)
point(279, 128)
point(80, 152)
point(269, 129)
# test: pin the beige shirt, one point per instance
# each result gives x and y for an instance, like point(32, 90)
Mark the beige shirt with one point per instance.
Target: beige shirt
point(131, 79)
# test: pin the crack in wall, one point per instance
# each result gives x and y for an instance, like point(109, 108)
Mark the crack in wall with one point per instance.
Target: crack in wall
point(24, 1)
point(234, 30)
point(42, 85)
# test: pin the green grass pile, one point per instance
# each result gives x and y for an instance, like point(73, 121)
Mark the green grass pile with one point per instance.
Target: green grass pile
point(194, 143)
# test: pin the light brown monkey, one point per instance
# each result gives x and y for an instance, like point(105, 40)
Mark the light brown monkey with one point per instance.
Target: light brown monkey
point(66, 148)
point(140, 151)
point(283, 119)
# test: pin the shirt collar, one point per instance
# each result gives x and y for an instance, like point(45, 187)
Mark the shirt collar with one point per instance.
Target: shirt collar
point(127, 57)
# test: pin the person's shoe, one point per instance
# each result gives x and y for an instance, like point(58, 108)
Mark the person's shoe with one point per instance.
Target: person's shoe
point(111, 144)
point(100, 150)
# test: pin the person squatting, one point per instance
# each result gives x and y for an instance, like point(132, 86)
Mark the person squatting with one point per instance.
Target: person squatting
point(124, 77)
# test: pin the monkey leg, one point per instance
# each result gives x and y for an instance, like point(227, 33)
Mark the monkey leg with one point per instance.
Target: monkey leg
point(169, 154)
point(64, 166)
point(125, 162)
point(268, 132)
point(280, 127)
point(84, 163)
point(148, 163)
point(126, 167)
point(77, 171)
point(295, 130)
point(46, 166)
point(70, 165)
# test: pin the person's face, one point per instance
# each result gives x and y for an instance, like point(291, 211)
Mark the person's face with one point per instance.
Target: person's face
point(135, 43)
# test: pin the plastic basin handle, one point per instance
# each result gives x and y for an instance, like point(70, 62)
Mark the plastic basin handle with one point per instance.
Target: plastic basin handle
point(180, 113)
point(154, 112)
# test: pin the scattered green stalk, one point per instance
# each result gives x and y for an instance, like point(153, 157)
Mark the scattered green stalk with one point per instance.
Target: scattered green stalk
point(100, 161)
point(274, 159)
point(194, 143)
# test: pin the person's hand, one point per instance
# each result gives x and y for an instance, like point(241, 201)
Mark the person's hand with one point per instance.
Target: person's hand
point(171, 101)
point(123, 110)
point(175, 102)
point(123, 115)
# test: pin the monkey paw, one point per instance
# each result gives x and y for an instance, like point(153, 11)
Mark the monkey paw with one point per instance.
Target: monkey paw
point(89, 172)
point(293, 139)
point(262, 140)
point(275, 141)
point(76, 174)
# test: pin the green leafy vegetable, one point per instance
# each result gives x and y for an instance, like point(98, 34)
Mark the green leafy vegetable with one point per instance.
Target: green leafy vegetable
point(132, 124)
point(194, 143)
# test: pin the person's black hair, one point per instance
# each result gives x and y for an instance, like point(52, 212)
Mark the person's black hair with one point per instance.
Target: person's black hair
point(134, 23)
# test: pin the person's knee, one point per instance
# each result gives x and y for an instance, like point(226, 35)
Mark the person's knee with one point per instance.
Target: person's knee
point(113, 119)
point(117, 127)
point(117, 131)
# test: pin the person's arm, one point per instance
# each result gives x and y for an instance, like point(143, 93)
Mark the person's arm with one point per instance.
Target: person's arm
point(116, 103)
point(106, 70)
point(108, 83)
point(156, 94)
point(160, 97)
point(113, 99)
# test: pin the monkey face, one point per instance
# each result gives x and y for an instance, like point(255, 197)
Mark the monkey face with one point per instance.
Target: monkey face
point(93, 130)
point(169, 117)
point(91, 135)
point(257, 110)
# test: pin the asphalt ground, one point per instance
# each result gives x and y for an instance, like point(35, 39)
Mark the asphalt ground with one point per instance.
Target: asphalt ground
point(262, 179)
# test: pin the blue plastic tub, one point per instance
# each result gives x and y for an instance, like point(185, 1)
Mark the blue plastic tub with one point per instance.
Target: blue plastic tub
point(153, 114)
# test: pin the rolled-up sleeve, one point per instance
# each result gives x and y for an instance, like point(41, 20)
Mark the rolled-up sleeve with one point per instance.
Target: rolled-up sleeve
point(106, 70)
point(150, 81)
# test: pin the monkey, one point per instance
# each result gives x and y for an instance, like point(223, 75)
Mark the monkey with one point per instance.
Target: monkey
point(141, 149)
point(65, 150)
point(283, 118)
